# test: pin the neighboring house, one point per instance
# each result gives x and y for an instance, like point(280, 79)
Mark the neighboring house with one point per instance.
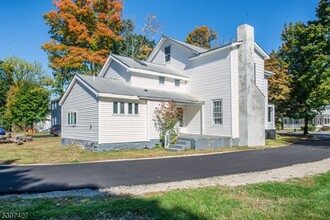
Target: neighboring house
point(222, 92)
point(55, 111)
point(320, 120)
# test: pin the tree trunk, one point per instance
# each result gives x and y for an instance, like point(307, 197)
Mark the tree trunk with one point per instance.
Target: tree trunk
point(306, 126)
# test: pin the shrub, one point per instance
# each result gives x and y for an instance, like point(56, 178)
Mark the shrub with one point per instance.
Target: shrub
point(309, 128)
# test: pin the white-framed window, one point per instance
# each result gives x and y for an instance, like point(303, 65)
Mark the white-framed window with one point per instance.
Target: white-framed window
point(217, 117)
point(177, 82)
point(118, 108)
point(133, 108)
point(161, 80)
point(270, 114)
point(72, 118)
point(167, 51)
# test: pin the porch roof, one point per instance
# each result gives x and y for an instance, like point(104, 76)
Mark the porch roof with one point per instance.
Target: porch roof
point(115, 87)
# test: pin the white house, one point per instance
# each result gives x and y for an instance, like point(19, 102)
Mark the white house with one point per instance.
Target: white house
point(320, 120)
point(221, 93)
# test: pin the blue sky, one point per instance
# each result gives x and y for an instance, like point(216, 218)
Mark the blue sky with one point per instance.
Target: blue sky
point(23, 30)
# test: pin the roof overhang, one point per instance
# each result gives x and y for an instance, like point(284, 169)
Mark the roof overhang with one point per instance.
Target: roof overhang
point(136, 70)
point(217, 50)
point(76, 78)
point(269, 73)
point(260, 51)
point(147, 72)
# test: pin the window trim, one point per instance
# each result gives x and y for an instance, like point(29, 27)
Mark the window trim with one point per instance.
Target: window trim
point(212, 112)
point(161, 77)
point(118, 109)
point(167, 55)
point(69, 118)
point(135, 106)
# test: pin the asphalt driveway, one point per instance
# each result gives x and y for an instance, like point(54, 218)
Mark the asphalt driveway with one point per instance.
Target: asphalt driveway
point(21, 179)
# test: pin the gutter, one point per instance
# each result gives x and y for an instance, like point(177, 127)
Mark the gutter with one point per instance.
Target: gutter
point(220, 49)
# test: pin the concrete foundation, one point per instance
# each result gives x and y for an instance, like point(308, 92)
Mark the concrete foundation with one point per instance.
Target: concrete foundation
point(94, 146)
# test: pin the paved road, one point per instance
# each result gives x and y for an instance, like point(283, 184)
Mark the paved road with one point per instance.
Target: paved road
point(18, 179)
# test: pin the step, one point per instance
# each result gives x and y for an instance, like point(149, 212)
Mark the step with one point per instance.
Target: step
point(178, 147)
point(184, 142)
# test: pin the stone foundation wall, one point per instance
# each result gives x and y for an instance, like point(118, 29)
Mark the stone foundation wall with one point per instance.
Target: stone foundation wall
point(94, 146)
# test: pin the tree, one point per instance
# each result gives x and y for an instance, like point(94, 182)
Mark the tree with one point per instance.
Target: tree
point(166, 116)
point(83, 33)
point(138, 46)
point(202, 37)
point(306, 50)
point(23, 79)
point(279, 86)
point(29, 106)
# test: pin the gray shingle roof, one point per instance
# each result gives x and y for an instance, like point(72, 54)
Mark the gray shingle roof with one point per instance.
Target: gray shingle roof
point(190, 46)
point(118, 87)
point(139, 64)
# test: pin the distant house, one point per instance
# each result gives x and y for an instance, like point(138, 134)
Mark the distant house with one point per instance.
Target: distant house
point(320, 120)
point(221, 93)
point(55, 112)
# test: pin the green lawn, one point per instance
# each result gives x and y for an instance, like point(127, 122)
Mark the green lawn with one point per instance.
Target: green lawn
point(307, 198)
point(48, 150)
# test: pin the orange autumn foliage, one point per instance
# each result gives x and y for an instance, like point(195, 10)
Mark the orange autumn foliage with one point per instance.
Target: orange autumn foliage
point(83, 33)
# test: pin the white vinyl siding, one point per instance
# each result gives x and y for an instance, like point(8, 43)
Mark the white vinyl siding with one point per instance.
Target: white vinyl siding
point(116, 128)
point(117, 71)
point(152, 82)
point(179, 56)
point(85, 104)
point(234, 116)
point(259, 71)
point(208, 80)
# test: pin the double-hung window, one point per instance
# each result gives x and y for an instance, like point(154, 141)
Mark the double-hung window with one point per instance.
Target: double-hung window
point(217, 117)
point(118, 108)
point(133, 108)
point(72, 118)
point(167, 54)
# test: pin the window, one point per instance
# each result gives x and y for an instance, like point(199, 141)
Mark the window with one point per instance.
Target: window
point(133, 108)
point(177, 82)
point(122, 108)
point(118, 108)
point(136, 108)
point(217, 112)
point(167, 54)
point(161, 80)
point(72, 118)
point(270, 114)
point(115, 108)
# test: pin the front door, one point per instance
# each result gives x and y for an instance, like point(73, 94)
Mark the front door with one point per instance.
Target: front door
point(180, 116)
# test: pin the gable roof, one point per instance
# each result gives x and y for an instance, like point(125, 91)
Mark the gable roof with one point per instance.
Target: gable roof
point(144, 67)
point(115, 88)
point(193, 48)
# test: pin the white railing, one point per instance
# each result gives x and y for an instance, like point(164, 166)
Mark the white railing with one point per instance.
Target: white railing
point(167, 139)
